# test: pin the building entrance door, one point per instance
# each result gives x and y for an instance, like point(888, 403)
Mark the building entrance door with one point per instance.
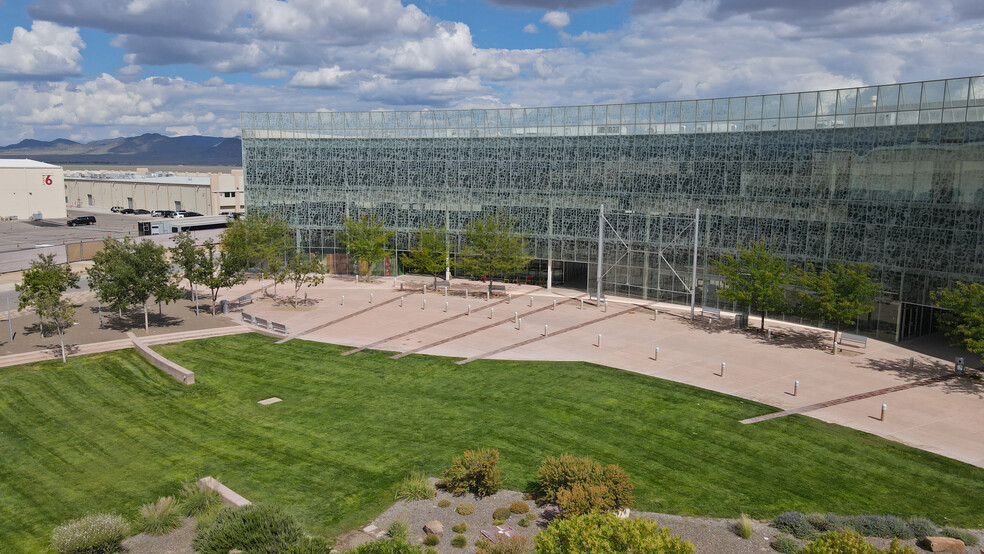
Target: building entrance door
point(917, 320)
point(129, 203)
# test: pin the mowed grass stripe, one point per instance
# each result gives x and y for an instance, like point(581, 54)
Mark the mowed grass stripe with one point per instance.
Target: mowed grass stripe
point(110, 432)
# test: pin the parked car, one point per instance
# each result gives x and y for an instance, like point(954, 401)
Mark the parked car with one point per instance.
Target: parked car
point(179, 214)
point(128, 211)
point(141, 211)
point(116, 209)
point(166, 213)
point(82, 220)
point(192, 214)
point(157, 213)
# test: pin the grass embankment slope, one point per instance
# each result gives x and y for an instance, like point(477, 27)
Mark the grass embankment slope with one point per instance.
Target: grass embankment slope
point(110, 432)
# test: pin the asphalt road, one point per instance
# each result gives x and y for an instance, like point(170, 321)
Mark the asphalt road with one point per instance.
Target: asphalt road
point(20, 235)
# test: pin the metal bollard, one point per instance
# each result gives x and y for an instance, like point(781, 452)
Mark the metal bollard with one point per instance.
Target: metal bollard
point(654, 314)
point(469, 309)
point(491, 311)
point(531, 301)
point(546, 328)
point(656, 355)
point(370, 298)
point(424, 305)
point(445, 307)
point(466, 293)
point(770, 334)
point(519, 324)
point(911, 362)
point(515, 317)
point(722, 369)
point(554, 305)
point(582, 303)
point(401, 285)
point(599, 341)
point(884, 409)
point(487, 295)
point(425, 290)
point(401, 301)
point(509, 298)
point(835, 348)
point(606, 307)
point(343, 300)
point(446, 291)
point(356, 277)
point(796, 388)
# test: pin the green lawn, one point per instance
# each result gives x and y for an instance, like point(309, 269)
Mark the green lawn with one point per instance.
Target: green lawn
point(109, 432)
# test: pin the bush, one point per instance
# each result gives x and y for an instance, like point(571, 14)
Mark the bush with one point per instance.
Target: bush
point(880, 526)
point(598, 533)
point(794, 523)
point(826, 522)
point(386, 546)
point(398, 530)
point(444, 503)
point(196, 500)
point(519, 507)
point(460, 528)
point(786, 544)
point(459, 541)
point(465, 509)
point(256, 528)
point(475, 471)
point(580, 485)
point(501, 513)
point(432, 540)
point(896, 548)
point(161, 517)
point(922, 527)
point(415, 487)
point(508, 545)
point(969, 539)
point(311, 545)
point(91, 534)
point(839, 542)
point(743, 527)
point(524, 522)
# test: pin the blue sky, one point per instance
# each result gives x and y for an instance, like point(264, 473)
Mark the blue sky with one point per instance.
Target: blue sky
point(93, 69)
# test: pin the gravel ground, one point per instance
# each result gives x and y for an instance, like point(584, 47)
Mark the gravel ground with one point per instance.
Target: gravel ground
point(175, 542)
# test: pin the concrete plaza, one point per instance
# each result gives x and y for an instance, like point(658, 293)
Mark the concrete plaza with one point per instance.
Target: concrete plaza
point(940, 417)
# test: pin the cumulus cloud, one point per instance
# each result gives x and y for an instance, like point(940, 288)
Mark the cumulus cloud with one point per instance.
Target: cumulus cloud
point(531, 28)
point(448, 51)
point(554, 4)
point(556, 19)
point(47, 52)
point(326, 77)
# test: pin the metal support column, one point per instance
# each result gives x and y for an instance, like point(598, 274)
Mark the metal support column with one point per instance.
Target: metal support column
point(693, 281)
point(601, 248)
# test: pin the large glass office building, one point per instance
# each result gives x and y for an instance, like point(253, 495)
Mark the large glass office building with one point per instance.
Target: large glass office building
point(889, 175)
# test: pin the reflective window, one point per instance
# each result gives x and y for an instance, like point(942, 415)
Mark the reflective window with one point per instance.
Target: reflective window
point(688, 111)
point(753, 107)
point(807, 103)
point(932, 95)
point(720, 109)
point(847, 100)
point(888, 98)
point(736, 109)
point(956, 93)
point(790, 103)
point(770, 106)
point(867, 99)
point(704, 110)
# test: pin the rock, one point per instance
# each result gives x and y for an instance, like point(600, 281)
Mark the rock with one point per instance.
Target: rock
point(437, 528)
point(944, 544)
point(623, 513)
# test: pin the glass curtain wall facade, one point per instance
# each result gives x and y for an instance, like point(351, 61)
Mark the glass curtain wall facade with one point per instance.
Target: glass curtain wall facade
point(890, 175)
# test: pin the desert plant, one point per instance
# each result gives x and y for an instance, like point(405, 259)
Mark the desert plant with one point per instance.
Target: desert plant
point(885, 526)
point(826, 522)
point(580, 485)
point(796, 524)
point(196, 500)
point(498, 522)
point(508, 545)
point(161, 517)
point(311, 545)
point(432, 540)
point(897, 548)
point(91, 534)
point(785, 544)
point(415, 487)
point(524, 522)
point(465, 509)
point(519, 507)
point(386, 546)
point(444, 503)
point(839, 542)
point(259, 528)
point(743, 527)
point(922, 527)
point(475, 471)
point(430, 550)
point(598, 533)
point(460, 528)
point(399, 530)
point(459, 541)
point(968, 538)
point(501, 513)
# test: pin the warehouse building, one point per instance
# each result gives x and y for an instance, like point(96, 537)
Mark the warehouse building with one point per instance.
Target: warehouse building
point(31, 190)
point(205, 193)
point(889, 175)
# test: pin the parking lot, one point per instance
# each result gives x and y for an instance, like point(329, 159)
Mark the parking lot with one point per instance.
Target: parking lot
point(21, 235)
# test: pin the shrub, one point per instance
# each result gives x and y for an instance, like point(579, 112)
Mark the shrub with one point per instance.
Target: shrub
point(743, 527)
point(196, 500)
point(91, 534)
point(580, 485)
point(256, 528)
point(785, 544)
point(161, 517)
point(460, 528)
point(386, 546)
point(922, 527)
point(459, 541)
point(969, 539)
point(839, 542)
point(794, 523)
point(311, 545)
point(508, 545)
point(524, 522)
point(826, 522)
point(475, 471)
point(465, 509)
point(430, 550)
point(896, 548)
point(444, 503)
point(607, 533)
point(501, 513)
point(432, 540)
point(398, 530)
point(884, 526)
point(519, 507)
point(415, 487)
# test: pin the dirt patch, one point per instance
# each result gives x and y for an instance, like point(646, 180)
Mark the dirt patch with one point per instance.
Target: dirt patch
point(175, 542)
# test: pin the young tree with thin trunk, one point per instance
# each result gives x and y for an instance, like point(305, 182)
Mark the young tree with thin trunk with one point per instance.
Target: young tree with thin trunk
point(493, 248)
point(963, 320)
point(43, 285)
point(304, 269)
point(216, 270)
point(756, 277)
point(127, 273)
point(366, 240)
point(259, 243)
point(430, 255)
point(839, 293)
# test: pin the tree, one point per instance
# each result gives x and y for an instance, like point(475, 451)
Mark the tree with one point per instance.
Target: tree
point(493, 248)
point(42, 288)
point(366, 240)
point(756, 278)
point(127, 273)
point(963, 320)
point(216, 270)
point(839, 293)
point(304, 269)
point(257, 242)
point(430, 256)
point(185, 255)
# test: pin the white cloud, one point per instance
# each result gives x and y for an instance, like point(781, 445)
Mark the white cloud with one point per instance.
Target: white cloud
point(326, 77)
point(214, 81)
point(182, 130)
point(531, 28)
point(448, 51)
point(272, 73)
point(556, 19)
point(47, 51)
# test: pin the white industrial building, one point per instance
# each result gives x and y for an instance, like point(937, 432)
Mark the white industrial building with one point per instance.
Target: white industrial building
point(205, 193)
point(31, 189)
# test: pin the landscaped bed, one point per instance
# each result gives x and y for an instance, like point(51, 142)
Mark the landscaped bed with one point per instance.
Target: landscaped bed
point(110, 432)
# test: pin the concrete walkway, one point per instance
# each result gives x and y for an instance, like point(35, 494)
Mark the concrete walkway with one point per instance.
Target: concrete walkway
point(939, 416)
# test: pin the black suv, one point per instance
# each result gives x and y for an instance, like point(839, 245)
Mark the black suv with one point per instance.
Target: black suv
point(82, 220)
point(127, 211)
point(141, 211)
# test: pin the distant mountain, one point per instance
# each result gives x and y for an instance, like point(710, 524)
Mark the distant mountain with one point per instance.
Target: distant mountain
point(147, 149)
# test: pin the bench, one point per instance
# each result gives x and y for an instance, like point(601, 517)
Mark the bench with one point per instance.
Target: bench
point(260, 322)
point(248, 318)
point(499, 287)
point(278, 327)
point(709, 312)
point(854, 340)
point(248, 298)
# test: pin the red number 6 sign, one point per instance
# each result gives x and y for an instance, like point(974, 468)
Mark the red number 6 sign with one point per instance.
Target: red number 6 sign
point(47, 179)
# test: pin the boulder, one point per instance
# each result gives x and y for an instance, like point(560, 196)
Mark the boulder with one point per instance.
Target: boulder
point(944, 544)
point(623, 513)
point(437, 528)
